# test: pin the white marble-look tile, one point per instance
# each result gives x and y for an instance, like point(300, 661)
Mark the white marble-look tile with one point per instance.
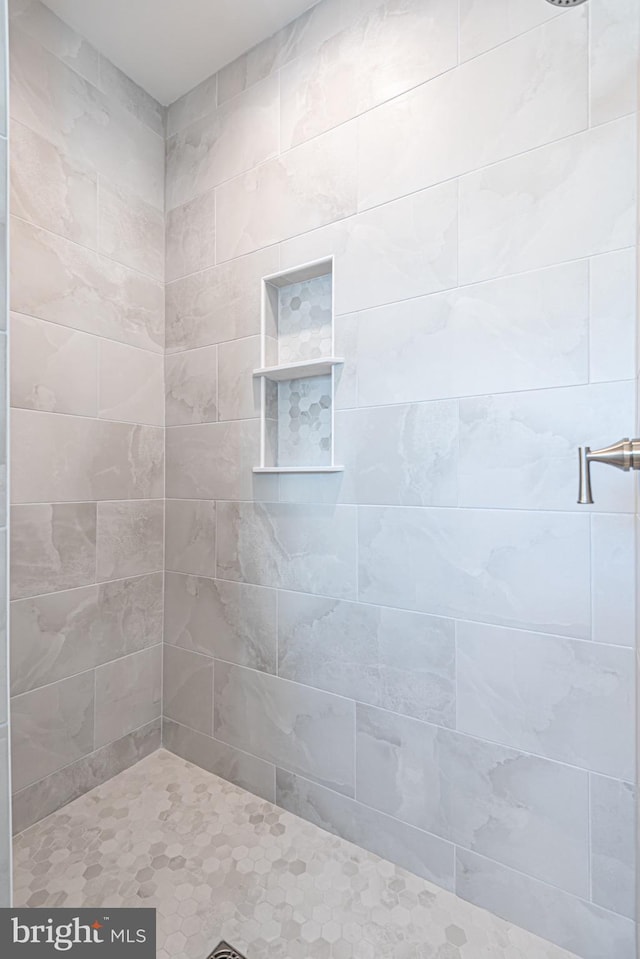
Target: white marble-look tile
point(309, 731)
point(41, 24)
point(51, 189)
point(191, 386)
point(523, 811)
point(613, 805)
point(53, 368)
point(218, 304)
point(131, 384)
point(575, 924)
point(513, 568)
point(223, 144)
point(399, 250)
point(118, 86)
point(305, 188)
point(516, 333)
point(483, 26)
point(55, 279)
point(612, 331)
point(560, 698)
point(60, 105)
point(401, 44)
point(238, 391)
point(309, 549)
point(613, 579)
point(495, 106)
point(520, 450)
point(192, 106)
point(391, 658)
point(191, 237)
point(130, 230)
point(403, 455)
point(531, 211)
point(615, 50)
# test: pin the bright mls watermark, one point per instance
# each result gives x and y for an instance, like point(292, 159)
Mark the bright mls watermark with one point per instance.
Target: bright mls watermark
point(50, 932)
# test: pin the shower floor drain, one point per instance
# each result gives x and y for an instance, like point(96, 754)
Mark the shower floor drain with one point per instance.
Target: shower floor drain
point(224, 951)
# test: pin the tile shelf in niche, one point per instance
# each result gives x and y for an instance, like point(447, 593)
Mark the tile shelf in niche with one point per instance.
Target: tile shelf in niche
point(297, 373)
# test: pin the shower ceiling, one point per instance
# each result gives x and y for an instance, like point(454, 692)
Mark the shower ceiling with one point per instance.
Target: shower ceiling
point(169, 46)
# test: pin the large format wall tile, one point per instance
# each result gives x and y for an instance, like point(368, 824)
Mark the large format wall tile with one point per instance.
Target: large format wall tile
point(506, 117)
point(238, 391)
point(44, 797)
point(187, 693)
point(518, 451)
point(561, 698)
point(128, 694)
point(40, 23)
point(131, 384)
point(218, 304)
point(235, 622)
point(229, 140)
point(191, 386)
point(51, 189)
point(52, 547)
point(53, 368)
point(131, 231)
point(520, 810)
point(613, 584)
point(577, 925)
point(57, 103)
point(59, 634)
point(55, 279)
point(399, 250)
point(119, 87)
point(86, 459)
point(615, 26)
point(307, 548)
point(190, 536)
point(517, 333)
point(130, 538)
point(385, 657)
point(307, 187)
point(403, 455)
point(191, 237)
point(238, 767)
point(513, 568)
point(401, 44)
point(483, 26)
point(304, 730)
point(415, 850)
point(612, 330)
point(613, 807)
point(529, 212)
point(194, 105)
point(51, 727)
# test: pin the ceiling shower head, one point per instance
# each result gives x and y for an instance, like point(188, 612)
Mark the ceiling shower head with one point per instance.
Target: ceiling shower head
point(565, 3)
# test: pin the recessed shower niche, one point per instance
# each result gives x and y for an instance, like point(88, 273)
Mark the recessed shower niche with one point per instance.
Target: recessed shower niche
point(297, 372)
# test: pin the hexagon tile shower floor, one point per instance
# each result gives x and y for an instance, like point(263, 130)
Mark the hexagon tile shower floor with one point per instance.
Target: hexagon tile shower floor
point(220, 864)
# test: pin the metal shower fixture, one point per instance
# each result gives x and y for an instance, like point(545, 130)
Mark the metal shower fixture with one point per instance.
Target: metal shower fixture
point(566, 3)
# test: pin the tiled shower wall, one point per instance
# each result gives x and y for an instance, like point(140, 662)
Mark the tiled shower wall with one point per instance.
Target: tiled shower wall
point(5, 776)
point(430, 654)
point(87, 328)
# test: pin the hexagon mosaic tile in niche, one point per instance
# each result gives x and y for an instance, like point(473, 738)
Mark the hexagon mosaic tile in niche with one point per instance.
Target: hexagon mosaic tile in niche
point(304, 320)
point(304, 421)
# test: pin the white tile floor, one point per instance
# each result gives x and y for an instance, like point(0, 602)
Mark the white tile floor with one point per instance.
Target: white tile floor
point(218, 863)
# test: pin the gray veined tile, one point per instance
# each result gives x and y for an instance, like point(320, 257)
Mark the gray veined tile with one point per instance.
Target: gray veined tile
point(131, 384)
point(5, 822)
point(398, 660)
point(53, 547)
point(560, 698)
point(187, 691)
point(575, 924)
point(238, 391)
point(512, 568)
point(53, 369)
point(118, 86)
point(192, 106)
point(51, 189)
point(235, 622)
point(51, 727)
point(305, 730)
point(415, 850)
point(40, 23)
point(128, 694)
point(191, 386)
point(130, 538)
point(190, 532)
point(191, 237)
point(526, 812)
point(613, 879)
point(304, 548)
point(130, 230)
